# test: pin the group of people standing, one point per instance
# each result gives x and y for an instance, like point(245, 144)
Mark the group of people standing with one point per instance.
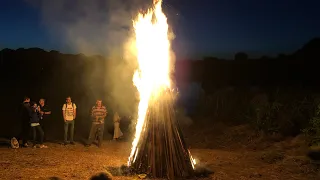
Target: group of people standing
point(31, 114)
point(34, 118)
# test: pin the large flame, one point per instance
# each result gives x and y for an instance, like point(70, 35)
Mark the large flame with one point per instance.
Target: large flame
point(154, 60)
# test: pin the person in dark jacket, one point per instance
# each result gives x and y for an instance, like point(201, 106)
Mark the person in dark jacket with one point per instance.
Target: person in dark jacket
point(34, 113)
point(25, 124)
point(45, 113)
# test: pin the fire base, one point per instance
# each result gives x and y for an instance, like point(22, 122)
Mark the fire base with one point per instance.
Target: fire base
point(161, 151)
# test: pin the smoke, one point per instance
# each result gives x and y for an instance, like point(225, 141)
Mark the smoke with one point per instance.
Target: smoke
point(183, 118)
point(98, 27)
point(90, 27)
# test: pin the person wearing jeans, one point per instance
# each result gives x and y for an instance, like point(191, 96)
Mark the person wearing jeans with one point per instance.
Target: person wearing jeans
point(35, 125)
point(68, 127)
point(35, 129)
point(69, 115)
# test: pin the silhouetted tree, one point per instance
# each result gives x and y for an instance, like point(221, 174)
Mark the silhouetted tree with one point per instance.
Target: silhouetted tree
point(241, 56)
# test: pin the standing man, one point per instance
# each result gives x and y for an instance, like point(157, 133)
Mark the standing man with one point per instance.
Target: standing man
point(69, 115)
point(44, 116)
point(98, 114)
point(25, 121)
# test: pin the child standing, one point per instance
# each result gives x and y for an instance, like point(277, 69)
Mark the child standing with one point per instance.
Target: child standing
point(117, 131)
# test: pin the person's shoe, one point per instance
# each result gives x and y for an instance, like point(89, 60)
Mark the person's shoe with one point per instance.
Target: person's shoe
point(72, 143)
point(25, 145)
point(65, 143)
point(43, 146)
point(88, 145)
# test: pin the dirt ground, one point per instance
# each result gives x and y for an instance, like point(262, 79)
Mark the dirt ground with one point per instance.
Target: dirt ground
point(283, 160)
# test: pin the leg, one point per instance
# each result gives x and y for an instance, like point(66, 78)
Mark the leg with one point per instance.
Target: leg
point(116, 130)
point(92, 134)
point(66, 125)
point(100, 136)
point(71, 131)
point(120, 133)
point(24, 134)
point(42, 124)
point(41, 133)
point(28, 133)
point(34, 136)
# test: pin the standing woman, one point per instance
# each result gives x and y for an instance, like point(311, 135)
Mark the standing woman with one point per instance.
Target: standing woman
point(35, 125)
point(117, 131)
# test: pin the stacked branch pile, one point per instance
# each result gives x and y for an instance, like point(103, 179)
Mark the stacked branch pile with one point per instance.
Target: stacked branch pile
point(162, 151)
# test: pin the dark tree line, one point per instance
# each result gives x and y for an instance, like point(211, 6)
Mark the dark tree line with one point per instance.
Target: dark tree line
point(53, 75)
point(299, 69)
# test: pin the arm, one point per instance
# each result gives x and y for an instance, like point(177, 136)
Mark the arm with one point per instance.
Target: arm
point(105, 114)
point(92, 112)
point(74, 112)
point(48, 110)
point(64, 112)
point(40, 112)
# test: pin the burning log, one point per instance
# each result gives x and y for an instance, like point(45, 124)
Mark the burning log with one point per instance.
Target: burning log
point(162, 151)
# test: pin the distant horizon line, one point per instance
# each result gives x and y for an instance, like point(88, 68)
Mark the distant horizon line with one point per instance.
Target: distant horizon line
point(228, 55)
point(195, 56)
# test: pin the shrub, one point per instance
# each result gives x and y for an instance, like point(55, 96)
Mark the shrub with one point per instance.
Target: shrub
point(313, 130)
point(262, 114)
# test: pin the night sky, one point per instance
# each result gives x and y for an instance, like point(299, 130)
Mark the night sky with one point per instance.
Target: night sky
point(202, 27)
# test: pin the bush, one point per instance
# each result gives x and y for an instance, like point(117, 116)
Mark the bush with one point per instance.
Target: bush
point(313, 130)
point(262, 114)
point(294, 115)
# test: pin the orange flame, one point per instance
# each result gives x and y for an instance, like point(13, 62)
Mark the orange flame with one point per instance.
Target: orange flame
point(154, 60)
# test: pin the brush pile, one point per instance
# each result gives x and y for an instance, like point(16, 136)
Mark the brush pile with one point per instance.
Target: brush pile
point(161, 151)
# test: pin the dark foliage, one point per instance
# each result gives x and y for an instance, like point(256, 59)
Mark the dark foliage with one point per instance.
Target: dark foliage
point(228, 85)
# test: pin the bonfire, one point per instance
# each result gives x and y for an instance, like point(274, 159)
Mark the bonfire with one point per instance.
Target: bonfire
point(158, 148)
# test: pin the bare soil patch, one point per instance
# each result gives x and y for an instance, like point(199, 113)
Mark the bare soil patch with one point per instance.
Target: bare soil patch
point(79, 162)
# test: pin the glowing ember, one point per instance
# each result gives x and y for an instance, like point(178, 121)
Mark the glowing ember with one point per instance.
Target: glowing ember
point(155, 63)
point(193, 161)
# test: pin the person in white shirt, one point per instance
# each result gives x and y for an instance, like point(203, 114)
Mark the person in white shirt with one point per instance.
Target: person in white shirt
point(69, 115)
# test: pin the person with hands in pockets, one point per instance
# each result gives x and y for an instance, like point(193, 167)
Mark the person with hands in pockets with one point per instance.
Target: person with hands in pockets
point(69, 115)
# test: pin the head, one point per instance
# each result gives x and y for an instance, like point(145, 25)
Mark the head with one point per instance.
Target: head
point(42, 101)
point(26, 99)
point(99, 103)
point(33, 105)
point(68, 100)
